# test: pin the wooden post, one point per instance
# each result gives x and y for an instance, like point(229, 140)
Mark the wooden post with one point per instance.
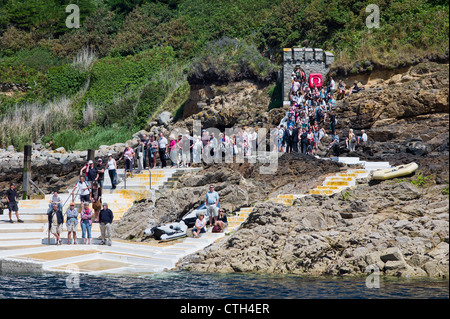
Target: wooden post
point(91, 155)
point(26, 186)
point(150, 177)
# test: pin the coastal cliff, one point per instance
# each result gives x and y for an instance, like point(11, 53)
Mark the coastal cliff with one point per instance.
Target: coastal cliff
point(399, 225)
point(392, 225)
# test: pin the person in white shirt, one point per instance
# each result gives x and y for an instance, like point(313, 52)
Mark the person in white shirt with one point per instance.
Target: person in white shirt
point(83, 187)
point(332, 86)
point(112, 169)
point(163, 145)
point(363, 138)
point(197, 151)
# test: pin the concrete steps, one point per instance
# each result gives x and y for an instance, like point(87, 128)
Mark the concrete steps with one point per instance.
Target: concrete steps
point(235, 221)
point(27, 243)
point(287, 199)
point(338, 182)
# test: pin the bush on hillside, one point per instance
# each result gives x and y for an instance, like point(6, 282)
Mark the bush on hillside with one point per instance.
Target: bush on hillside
point(91, 137)
point(228, 60)
point(64, 80)
point(112, 77)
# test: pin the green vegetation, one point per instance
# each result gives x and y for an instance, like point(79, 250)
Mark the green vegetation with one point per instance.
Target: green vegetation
point(419, 179)
point(231, 60)
point(64, 80)
point(276, 96)
point(131, 59)
point(91, 138)
point(445, 190)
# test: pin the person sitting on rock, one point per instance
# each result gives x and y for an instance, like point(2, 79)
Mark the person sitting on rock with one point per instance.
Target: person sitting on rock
point(315, 92)
point(332, 102)
point(200, 226)
point(222, 220)
point(322, 93)
point(341, 90)
point(355, 88)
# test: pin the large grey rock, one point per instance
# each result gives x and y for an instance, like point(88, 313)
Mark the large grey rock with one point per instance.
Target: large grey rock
point(418, 148)
point(391, 254)
point(164, 118)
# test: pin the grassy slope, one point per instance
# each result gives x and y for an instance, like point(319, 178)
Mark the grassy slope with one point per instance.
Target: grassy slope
point(146, 49)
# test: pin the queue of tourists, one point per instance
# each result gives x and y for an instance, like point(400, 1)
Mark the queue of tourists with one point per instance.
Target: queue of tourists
point(311, 113)
point(310, 117)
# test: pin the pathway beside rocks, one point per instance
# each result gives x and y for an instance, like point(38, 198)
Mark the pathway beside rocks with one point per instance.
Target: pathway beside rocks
point(24, 247)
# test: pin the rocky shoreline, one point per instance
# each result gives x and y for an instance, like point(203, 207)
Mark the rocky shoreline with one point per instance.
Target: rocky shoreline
point(400, 226)
point(391, 225)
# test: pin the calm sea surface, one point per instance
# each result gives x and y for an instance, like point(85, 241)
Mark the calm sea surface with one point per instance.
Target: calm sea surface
point(186, 285)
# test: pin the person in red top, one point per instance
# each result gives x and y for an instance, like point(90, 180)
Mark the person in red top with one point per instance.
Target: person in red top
point(173, 151)
point(129, 158)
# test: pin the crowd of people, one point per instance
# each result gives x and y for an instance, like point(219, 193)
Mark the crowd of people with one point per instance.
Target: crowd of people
point(183, 150)
point(310, 115)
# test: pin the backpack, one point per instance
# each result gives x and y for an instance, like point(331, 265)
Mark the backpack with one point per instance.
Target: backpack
point(216, 229)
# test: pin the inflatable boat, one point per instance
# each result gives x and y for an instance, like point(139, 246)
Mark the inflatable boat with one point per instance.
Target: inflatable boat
point(396, 171)
point(169, 231)
point(190, 218)
point(178, 229)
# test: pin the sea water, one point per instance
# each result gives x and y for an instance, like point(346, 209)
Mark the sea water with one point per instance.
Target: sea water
point(188, 285)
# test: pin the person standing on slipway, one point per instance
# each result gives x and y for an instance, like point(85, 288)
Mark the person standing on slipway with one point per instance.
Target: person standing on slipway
point(106, 218)
point(212, 200)
point(11, 198)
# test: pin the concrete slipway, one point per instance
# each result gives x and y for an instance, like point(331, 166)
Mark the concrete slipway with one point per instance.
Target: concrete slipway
point(24, 246)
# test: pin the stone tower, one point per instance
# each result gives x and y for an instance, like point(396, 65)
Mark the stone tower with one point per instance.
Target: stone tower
point(311, 60)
